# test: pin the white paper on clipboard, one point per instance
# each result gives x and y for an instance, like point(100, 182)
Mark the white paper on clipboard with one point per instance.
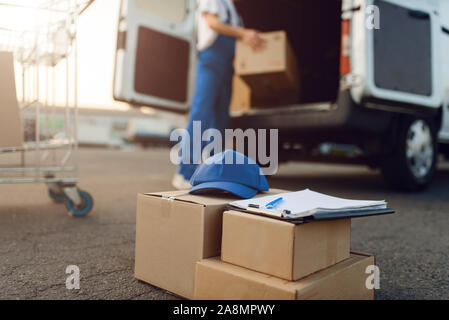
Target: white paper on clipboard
point(307, 203)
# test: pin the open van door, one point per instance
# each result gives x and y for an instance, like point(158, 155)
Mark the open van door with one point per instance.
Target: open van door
point(156, 53)
point(402, 56)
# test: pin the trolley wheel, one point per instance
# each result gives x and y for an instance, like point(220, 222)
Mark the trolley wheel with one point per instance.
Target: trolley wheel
point(82, 210)
point(57, 197)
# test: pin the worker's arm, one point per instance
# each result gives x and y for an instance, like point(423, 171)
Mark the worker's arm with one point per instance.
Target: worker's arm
point(249, 36)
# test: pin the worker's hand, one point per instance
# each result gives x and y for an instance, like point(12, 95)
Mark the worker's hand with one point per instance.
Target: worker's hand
point(253, 39)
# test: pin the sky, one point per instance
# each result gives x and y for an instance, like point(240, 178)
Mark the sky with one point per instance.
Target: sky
point(97, 42)
point(96, 48)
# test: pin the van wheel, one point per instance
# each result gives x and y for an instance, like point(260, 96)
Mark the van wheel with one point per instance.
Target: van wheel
point(412, 164)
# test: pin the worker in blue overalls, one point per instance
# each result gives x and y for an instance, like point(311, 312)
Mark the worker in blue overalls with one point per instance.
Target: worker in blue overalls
point(219, 25)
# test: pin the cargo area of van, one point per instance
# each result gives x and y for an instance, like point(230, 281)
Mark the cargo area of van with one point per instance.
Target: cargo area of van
point(352, 84)
point(314, 31)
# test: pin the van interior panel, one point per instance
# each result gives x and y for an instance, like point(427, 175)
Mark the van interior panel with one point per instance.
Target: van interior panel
point(403, 50)
point(314, 31)
point(162, 65)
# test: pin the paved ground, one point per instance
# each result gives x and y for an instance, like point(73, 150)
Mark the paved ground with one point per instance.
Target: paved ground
point(38, 240)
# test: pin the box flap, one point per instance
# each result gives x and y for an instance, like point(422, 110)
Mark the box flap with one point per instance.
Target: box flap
point(205, 200)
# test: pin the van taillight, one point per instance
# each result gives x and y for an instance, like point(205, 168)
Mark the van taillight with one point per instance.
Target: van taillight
point(345, 56)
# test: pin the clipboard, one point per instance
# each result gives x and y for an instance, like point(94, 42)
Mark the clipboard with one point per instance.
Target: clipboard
point(319, 216)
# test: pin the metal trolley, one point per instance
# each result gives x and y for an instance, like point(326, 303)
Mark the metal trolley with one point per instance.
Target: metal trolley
point(44, 44)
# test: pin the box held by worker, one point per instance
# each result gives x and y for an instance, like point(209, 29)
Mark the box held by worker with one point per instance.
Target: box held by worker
point(11, 132)
point(218, 280)
point(271, 72)
point(174, 230)
point(283, 249)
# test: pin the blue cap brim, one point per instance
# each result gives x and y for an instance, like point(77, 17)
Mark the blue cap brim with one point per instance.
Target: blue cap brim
point(237, 189)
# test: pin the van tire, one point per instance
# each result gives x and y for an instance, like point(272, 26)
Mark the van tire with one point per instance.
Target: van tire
point(411, 164)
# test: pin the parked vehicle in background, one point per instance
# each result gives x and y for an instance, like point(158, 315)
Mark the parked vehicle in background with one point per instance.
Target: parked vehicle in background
point(381, 93)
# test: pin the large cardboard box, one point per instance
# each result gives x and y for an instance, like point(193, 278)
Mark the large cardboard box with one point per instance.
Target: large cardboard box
point(217, 280)
point(283, 249)
point(174, 230)
point(241, 95)
point(271, 73)
point(11, 133)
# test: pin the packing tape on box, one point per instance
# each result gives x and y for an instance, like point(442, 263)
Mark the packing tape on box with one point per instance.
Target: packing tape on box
point(167, 204)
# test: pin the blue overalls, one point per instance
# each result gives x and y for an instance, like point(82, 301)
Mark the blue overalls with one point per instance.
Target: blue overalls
point(212, 97)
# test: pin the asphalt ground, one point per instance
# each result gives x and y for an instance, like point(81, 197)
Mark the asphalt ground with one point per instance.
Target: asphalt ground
point(38, 240)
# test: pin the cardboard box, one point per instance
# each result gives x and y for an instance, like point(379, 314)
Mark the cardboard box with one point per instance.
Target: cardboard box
point(217, 280)
point(174, 230)
point(283, 249)
point(11, 132)
point(271, 73)
point(241, 95)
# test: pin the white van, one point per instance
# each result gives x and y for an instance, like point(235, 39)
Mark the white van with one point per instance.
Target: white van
point(384, 91)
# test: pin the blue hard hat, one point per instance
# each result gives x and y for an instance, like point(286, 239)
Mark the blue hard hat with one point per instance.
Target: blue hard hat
point(232, 172)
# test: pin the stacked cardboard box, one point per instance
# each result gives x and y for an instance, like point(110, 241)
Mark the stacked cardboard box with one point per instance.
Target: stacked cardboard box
point(217, 280)
point(266, 77)
point(264, 258)
point(241, 95)
point(179, 236)
point(283, 249)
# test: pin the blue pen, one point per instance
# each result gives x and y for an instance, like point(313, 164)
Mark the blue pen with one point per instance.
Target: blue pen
point(273, 204)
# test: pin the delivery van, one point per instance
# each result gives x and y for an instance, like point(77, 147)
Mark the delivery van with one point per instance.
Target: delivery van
point(373, 77)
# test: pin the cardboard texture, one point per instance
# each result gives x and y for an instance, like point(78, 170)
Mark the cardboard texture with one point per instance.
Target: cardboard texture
point(282, 249)
point(174, 230)
point(11, 133)
point(271, 73)
point(241, 95)
point(217, 280)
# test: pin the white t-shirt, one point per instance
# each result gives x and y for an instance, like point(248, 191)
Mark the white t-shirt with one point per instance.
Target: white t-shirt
point(207, 36)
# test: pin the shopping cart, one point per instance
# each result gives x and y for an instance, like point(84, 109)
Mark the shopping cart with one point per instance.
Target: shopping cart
point(44, 45)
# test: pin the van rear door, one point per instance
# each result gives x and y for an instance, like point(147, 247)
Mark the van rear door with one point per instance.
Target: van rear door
point(402, 54)
point(156, 53)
